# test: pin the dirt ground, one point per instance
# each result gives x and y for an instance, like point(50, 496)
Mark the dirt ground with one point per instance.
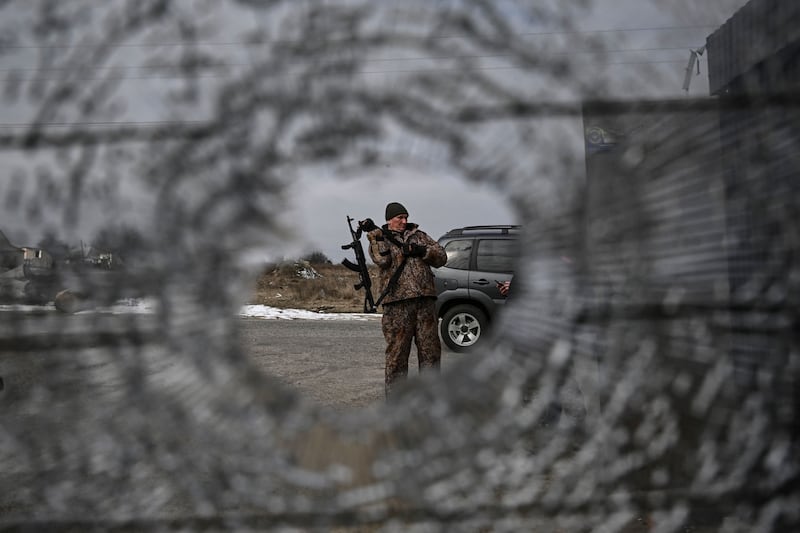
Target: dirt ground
point(337, 364)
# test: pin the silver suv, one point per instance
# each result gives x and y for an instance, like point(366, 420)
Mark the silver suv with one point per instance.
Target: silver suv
point(478, 259)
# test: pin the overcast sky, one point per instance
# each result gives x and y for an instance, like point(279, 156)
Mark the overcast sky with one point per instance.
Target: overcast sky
point(437, 199)
point(658, 37)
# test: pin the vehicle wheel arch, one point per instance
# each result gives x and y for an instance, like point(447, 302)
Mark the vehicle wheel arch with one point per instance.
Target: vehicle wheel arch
point(446, 306)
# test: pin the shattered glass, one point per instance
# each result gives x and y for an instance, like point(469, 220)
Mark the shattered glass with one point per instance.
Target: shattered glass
point(643, 378)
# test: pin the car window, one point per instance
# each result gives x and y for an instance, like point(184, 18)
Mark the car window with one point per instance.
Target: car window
point(497, 255)
point(458, 253)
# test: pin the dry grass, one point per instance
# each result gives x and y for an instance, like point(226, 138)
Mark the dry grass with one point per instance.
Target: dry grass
point(281, 286)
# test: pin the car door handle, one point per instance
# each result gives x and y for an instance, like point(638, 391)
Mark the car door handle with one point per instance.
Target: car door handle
point(481, 282)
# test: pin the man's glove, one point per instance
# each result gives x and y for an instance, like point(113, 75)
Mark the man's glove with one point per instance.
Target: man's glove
point(367, 225)
point(414, 250)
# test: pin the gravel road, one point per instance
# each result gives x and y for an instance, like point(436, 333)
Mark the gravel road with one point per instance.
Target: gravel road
point(335, 363)
point(51, 362)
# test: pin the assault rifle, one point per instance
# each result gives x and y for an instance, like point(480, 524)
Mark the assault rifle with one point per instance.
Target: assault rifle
point(360, 266)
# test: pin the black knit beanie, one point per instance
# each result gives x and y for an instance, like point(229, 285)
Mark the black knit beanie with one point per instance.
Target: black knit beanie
point(393, 209)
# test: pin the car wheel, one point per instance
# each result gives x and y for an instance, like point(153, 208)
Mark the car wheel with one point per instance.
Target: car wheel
point(462, 327)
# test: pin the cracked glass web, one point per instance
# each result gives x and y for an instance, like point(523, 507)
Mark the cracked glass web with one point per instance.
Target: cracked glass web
point(643, 378)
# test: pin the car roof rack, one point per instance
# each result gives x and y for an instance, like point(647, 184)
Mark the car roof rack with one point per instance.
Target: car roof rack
point(502, 229)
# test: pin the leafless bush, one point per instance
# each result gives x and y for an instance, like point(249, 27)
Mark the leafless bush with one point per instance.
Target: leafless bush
point(333, 290)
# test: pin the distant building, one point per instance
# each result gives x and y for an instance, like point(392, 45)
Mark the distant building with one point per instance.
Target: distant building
point(754, 68)
point(756, 50)
point(691, 214)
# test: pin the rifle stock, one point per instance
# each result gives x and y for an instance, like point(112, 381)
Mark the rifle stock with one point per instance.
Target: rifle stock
point(359, 266)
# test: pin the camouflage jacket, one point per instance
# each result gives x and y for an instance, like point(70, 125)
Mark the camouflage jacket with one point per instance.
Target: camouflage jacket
point(416, 279)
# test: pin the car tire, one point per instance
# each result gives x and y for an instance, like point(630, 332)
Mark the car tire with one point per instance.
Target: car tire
point(463, 326)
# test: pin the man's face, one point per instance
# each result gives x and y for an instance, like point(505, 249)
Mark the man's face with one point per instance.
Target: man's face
point(398, 223)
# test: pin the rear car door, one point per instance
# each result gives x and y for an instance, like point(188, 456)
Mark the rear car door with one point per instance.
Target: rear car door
point(494, 262)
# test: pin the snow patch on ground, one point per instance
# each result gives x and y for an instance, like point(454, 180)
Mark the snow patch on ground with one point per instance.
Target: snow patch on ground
point(263, 311)
point(135, 306)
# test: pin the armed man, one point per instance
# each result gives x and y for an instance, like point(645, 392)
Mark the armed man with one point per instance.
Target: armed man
point(404, 255)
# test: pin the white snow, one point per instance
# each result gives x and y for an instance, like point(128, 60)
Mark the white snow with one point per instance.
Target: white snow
point(263, 311)
point(250, 311)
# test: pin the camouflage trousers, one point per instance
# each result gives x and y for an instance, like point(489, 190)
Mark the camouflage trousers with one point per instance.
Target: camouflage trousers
point(403, 321)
